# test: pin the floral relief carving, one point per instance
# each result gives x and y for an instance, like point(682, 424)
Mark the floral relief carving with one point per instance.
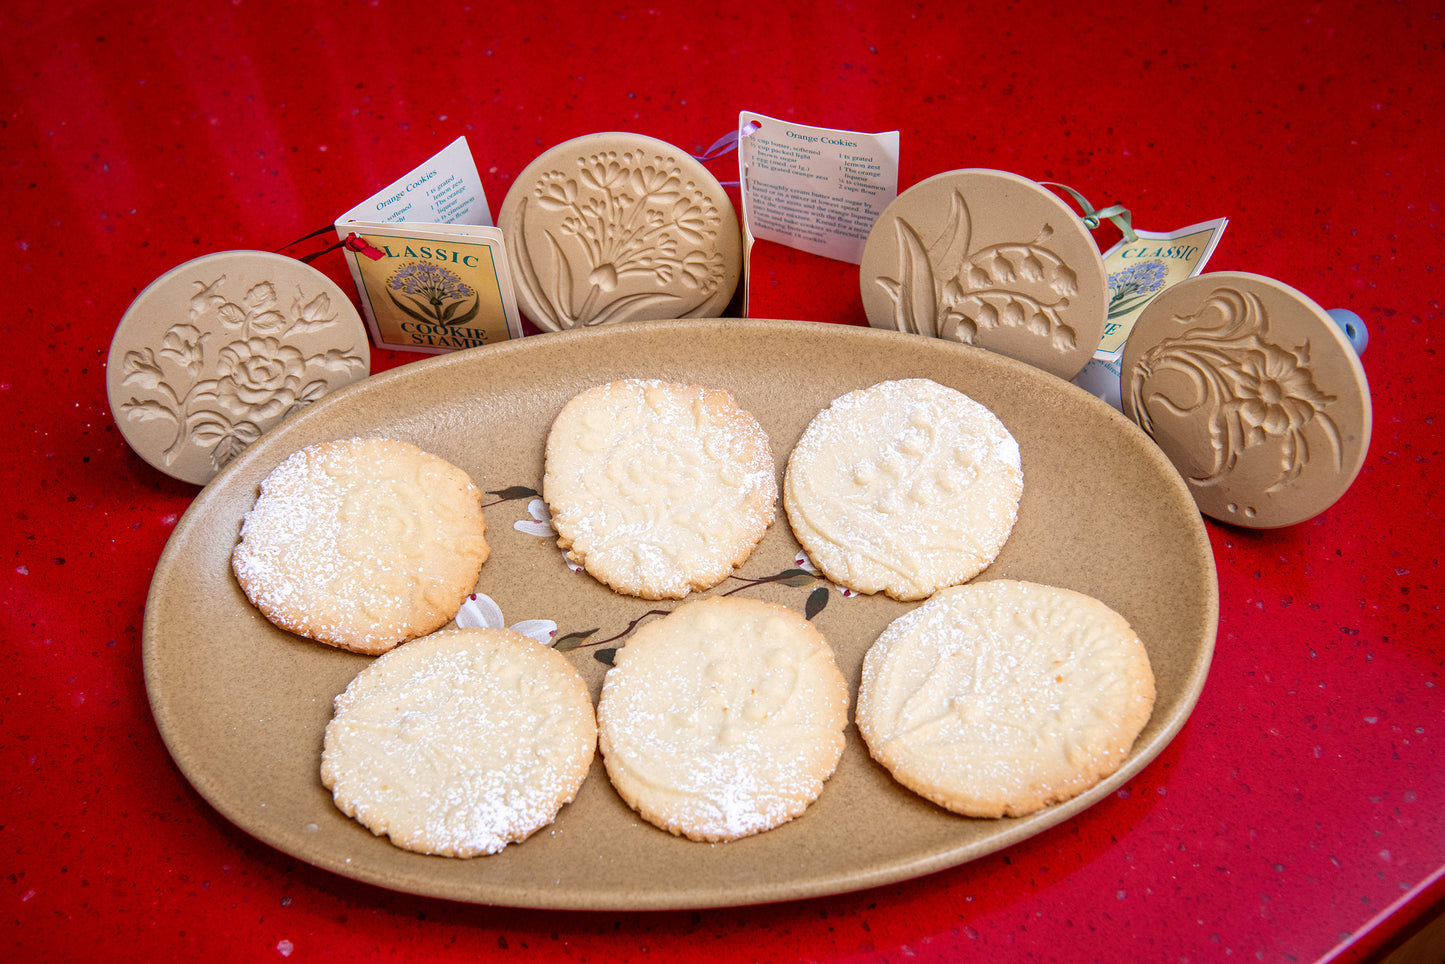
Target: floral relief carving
point(625, 231)
point(946, 289)
point(233, 369)
point(1250, 391)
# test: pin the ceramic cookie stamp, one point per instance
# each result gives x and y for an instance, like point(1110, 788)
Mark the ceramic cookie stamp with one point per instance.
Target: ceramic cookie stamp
point(218, 350)
point(619, 227)
point(990, 259)
point(1254, 392)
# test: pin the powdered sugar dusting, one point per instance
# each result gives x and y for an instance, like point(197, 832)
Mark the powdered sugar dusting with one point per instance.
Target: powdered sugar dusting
point(658, 489)
point(460, 743)
point(724, 719)
point(362, 543)
point(903, 487)
point(1002, 697)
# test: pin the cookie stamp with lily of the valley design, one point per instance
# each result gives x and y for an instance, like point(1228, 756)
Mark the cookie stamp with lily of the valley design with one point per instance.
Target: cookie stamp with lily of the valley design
point(220, 349)
point(619, 227)
point(1255, 395)
point(991, 259)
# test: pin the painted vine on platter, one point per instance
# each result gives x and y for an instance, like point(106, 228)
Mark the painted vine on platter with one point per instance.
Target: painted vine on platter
point(481, 610)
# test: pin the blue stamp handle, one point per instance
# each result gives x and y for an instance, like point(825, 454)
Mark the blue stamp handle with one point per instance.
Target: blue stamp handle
point(1353, 326)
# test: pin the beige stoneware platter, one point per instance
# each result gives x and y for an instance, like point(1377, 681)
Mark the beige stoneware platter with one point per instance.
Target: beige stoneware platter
point(242, 705)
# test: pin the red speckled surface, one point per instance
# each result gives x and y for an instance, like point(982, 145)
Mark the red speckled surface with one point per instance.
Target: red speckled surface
point(1296, 809)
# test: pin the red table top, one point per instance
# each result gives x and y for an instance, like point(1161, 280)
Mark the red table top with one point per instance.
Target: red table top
point(1296, 816)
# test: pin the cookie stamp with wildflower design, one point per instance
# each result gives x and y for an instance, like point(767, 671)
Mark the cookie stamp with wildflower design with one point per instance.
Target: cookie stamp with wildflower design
point(990, 259)
point(1253, 393)
point(619, 227)
point(222, 348)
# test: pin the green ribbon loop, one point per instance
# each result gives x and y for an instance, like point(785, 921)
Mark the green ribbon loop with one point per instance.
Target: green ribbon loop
point(1117, 213)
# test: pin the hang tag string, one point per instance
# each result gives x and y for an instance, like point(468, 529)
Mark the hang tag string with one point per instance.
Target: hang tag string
point(1117, 213)
point(725, 145)
point(352, 242)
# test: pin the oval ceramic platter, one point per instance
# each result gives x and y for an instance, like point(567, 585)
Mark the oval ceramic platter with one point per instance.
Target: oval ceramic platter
point(242, 705)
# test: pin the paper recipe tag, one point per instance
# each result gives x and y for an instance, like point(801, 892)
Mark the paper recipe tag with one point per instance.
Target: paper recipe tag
point(1139, 270)
point(429, 266)
point(813, 188)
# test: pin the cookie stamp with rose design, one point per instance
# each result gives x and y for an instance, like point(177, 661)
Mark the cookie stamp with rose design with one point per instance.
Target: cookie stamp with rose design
point(220, 349)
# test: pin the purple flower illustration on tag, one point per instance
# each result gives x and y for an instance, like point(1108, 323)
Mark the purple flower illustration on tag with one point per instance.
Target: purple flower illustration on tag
point(1134, 286)
point(432, 294)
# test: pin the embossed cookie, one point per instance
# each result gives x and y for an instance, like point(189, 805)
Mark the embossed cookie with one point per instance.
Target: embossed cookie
point(362, 543)
point(658, 489)
point(723, 719)
point(1001, 698)
point(460, 743)
point(904, 487)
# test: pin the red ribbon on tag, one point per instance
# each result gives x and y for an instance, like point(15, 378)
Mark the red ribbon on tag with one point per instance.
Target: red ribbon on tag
point(355, 242)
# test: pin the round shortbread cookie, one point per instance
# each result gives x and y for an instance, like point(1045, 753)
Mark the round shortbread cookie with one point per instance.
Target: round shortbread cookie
point(1000, 698)
point(905, 487)
point(723, 719)
point(362, 543)
point(460, 743)
point(657, 489)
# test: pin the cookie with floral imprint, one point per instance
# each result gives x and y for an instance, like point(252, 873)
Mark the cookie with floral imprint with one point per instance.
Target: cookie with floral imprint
point(658, 488)
point(1003, 697)
point(1253, 392)
point(991, 259)
point(218, 350)
point(905, 487)
point(461, 743)
point(619, 227)
point(723, 719)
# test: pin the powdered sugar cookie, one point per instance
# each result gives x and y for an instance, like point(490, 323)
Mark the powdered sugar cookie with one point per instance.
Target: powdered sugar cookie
point(723, 719)
point(905, 487)
point(460, 743)
point(658, 489)
point(362, 543)
point(1000, 698)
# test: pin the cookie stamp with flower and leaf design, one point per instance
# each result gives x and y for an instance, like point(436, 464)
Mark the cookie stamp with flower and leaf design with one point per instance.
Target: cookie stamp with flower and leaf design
point(1254, 393)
